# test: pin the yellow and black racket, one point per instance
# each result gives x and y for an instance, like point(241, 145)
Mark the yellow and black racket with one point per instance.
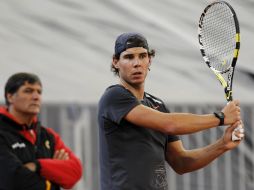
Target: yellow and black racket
point(219, 39)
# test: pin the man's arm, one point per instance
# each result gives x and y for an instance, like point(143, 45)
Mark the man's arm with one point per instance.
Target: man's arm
point(64, 168)
point(181, 123)
point(183, 161)
point(13, 175)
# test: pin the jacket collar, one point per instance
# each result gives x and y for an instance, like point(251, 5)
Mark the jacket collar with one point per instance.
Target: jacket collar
point(9, 119)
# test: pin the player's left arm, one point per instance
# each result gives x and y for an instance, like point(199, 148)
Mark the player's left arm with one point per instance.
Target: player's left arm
point(65, 168)
point(184, 161)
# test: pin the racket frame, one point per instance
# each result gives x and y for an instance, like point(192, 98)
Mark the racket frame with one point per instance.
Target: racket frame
point(227, 85)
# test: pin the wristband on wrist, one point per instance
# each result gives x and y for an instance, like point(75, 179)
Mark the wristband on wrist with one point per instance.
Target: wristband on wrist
point(220, 116)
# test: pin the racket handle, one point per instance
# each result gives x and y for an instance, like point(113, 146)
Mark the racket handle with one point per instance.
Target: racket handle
point(238, 129)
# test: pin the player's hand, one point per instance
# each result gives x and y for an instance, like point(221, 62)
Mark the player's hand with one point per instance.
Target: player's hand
point(227, 137)
point(232, 112)
point(31, 166)
point(61, 155)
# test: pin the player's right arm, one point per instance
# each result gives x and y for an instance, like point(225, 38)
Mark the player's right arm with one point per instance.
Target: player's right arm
point(183, 161)
point(180, 123)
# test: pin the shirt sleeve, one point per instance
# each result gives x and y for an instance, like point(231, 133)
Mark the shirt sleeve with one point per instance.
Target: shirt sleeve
point(65, 173)
point(172, 138)
point(117, 102)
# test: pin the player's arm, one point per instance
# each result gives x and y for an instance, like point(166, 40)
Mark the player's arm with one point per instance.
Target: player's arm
point(180, 123)
point(13, 175)
point(64, 168)
point(183, 161)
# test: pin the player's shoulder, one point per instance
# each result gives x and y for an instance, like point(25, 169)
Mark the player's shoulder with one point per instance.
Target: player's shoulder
point(116, 91)
point(156, 103)
point(153, 98)
point(114, 88)
point(49, 131)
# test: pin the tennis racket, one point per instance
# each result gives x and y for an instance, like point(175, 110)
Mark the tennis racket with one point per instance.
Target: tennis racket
point(219, 39)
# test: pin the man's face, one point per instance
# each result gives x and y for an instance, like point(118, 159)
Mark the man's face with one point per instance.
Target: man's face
point(133, 65)
point(27, 99)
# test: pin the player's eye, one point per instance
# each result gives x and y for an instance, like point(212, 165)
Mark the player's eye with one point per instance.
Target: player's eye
point(143, 55)
point(39, 91)
point(28, 90)
point(128, 56)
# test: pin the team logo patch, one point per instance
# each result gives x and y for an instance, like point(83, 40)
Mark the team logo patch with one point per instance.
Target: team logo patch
point(18, 145)
point(156, 107)
point(47, 144)
point(159, 181)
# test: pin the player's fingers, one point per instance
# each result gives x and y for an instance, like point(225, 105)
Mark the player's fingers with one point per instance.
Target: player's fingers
point(66, 156)
point(236, 135)
point(238, 132)
point(235, 125)
point(236, 102)
point(61, 154)
point(56, 154)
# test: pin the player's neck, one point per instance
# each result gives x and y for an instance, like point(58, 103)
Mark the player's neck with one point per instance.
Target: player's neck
point(136, 90)
point(22, 118)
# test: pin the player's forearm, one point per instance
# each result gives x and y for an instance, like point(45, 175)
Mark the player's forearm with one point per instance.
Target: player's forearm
point(29, 180)
point(14, 175)
point(181, 123)
point(192, 160)
point(66, 173)
point(65, 169)
point(177, 123)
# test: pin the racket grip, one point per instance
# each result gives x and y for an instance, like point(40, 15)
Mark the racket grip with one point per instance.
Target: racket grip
point(238, 129)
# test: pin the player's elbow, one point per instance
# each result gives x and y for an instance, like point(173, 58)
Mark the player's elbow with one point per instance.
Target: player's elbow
point(177, 164)
point(179, 170)
point(74, 177)
point(170, 128)
point(71, 183)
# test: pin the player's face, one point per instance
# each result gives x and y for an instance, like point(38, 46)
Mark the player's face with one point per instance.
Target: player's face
point(27, 99)
point(133, 65)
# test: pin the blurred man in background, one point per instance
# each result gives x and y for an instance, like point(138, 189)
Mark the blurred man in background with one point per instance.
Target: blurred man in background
point(32, 157)
point(137, 132)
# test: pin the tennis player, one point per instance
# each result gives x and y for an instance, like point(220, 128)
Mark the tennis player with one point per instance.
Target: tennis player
point(32, 157)
point(137, 132)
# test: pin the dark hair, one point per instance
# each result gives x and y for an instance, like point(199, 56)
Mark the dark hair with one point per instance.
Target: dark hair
point(129, 40)
point(16, 81)
point(151, 53)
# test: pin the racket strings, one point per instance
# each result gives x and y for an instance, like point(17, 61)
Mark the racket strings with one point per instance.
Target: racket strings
point(218, 36)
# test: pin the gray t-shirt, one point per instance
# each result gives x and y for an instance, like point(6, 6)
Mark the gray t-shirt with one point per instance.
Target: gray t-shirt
point(131, 157)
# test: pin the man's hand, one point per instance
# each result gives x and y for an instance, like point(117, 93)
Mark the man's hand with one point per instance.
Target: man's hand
point(227, 137)
point(61, 155)
point(232, 112)
point(31, 166)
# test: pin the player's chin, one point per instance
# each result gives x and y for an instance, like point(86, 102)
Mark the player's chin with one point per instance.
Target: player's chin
point(34, 110)
point(138, 78)
point(138, 81)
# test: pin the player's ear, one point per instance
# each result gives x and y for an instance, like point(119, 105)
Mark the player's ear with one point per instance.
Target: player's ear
point(10, 97)
point(115, 63)
point(150, 61)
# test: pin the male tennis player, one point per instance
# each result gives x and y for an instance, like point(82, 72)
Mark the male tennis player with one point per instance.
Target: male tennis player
point(32, 157)
point(137, 132)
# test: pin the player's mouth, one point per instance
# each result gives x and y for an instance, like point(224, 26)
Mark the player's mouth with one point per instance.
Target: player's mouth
point(138, 73)
point(35, 105)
